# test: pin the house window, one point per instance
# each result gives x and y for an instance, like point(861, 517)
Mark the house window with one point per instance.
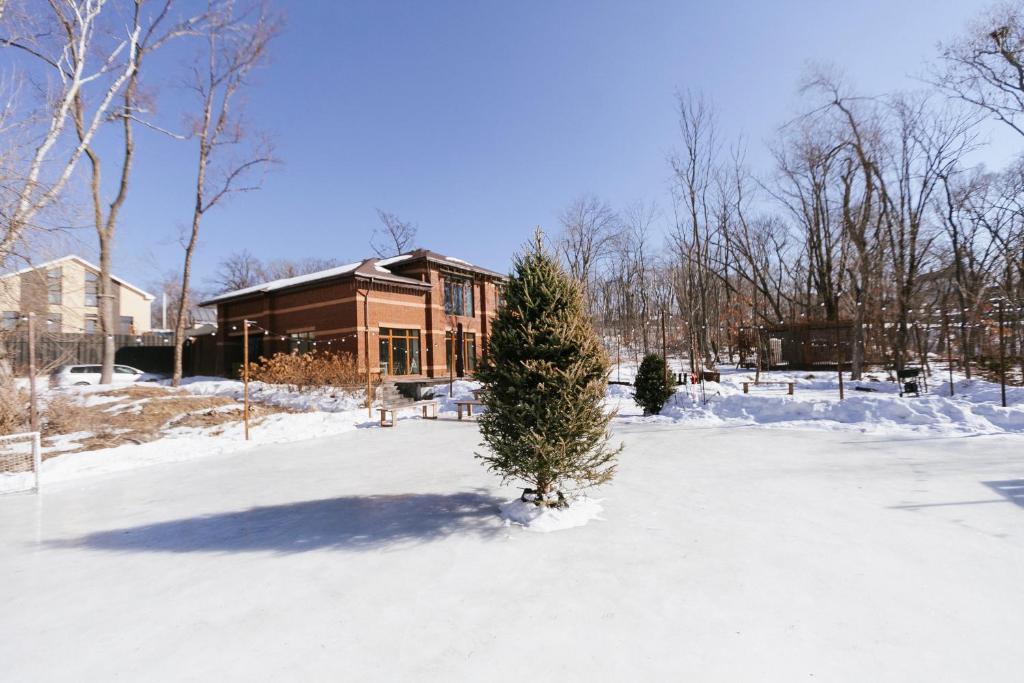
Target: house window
point(458, 296)
point(468, 352)
point(53, 286)
point(91, 325)
point(300, 342)
point(91, 288)
point(10, 320)
point(54, 321)
point(126, 325)
point(499, 299)
point(399, 351)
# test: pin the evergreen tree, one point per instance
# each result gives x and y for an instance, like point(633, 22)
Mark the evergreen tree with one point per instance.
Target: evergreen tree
point(652, 385)
point(544, 382)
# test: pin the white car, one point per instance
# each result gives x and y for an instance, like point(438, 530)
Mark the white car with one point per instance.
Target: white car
point(82, 375)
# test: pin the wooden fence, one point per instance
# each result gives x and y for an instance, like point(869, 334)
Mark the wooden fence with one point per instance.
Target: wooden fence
point(69, 348)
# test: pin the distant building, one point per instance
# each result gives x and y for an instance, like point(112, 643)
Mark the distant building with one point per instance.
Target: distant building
point(64, 294)
point(419, 314)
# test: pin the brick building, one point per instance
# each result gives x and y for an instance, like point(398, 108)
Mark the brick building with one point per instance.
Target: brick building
point(400, 316)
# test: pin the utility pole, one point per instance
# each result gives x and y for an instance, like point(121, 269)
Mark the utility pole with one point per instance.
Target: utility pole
point(33, 408)
point(245, 375)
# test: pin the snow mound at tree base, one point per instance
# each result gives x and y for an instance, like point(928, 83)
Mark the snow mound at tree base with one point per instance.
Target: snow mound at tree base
point(544, 519)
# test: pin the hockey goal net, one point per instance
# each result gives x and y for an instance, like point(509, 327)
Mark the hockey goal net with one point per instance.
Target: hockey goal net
point(20, 460)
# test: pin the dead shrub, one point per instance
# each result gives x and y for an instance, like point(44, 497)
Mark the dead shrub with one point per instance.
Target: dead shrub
point(309, 370)
point(63, 415)
point(14, 407)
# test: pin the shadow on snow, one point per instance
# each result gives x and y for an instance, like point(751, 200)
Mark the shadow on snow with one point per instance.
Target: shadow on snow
point(346, 523)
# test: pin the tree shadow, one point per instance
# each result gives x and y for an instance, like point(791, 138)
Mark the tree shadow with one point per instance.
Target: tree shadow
point(1011, 489)
point(346, 523)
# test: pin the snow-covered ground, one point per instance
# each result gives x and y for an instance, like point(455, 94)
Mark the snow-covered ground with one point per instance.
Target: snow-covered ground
point(869, 405)
point(725, 553)
point(973, 409)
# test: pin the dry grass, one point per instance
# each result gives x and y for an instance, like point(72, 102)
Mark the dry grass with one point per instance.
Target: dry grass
point(140, 414)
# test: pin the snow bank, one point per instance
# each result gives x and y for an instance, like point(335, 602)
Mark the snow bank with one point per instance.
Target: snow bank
point(462, 390)
point(326, 399)
point(543, 519)
point(974, 409)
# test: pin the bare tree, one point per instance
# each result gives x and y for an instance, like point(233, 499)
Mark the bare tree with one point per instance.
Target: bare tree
point(589, 226)
point(694, 168)
point(242, 269)
point(238, 271)
point(63, 38)
point(105, 219)
point(394, 237)
point(985, 67)
point(235, 40)
point(284, 268)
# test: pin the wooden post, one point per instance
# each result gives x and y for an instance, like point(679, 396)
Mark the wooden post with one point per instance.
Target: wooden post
point(1002, 356)
point(839, 362)
point(366, 349)
point(664, 343)
point(949, 350)
point(33, 407)
point(618, 359)
point(245, 376)
point(451, 358)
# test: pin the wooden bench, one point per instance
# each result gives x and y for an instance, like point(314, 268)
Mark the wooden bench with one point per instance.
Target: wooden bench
point(427, 407)
point(789, 385)
point(468, 405)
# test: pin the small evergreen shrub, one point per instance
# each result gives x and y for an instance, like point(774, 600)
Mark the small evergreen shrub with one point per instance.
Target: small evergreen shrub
point(652, 385)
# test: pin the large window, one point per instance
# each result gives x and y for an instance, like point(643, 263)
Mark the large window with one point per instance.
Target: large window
point(10, 320)
point(458, 296)
point(468, 352)
point(91, 288)
point(91, 325)
point(53, 286)
point(399, 351)
point(300, 342)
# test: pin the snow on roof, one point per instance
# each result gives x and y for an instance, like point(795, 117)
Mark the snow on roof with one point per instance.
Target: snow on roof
point(457, 260)
point(74, 257)
point(394, 259)
point(286, 282)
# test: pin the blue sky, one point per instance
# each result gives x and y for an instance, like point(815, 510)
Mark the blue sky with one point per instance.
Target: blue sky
point(480, 120)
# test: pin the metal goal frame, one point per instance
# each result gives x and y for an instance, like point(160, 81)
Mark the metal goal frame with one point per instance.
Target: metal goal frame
point(37, 458)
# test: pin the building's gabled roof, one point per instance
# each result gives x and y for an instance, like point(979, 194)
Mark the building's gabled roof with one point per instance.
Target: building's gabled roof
point(371, 268)
point(73, 257)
